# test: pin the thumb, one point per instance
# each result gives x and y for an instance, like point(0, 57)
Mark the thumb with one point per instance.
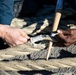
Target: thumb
point(65, 32)
point(61, 34)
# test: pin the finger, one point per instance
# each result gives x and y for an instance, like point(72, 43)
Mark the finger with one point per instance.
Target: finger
point(65, 32)
point(12, 45)
point(18, 43)
point(25, 35)
point(23, 39)
point(15, 43)
point(67, 44)
point(62, 36)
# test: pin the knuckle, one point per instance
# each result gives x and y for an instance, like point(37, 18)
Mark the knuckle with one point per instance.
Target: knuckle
point(16, 42)
point(67, 40)
point(67, 44)
point(13, 45)
point(71, 32)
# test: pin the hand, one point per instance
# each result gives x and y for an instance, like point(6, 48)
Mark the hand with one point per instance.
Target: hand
point(13, 36)
point(66, 37)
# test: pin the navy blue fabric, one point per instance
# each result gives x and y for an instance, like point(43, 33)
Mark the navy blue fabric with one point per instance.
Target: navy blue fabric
point(72, 3)
point(31, 7)
point(6, 11)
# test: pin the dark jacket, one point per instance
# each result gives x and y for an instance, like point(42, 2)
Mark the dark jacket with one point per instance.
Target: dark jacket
point(6, 11)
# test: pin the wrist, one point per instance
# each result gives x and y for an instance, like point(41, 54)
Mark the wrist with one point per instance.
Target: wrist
point(2, 30)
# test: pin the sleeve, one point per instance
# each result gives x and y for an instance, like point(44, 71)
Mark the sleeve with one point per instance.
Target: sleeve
point(6, 11)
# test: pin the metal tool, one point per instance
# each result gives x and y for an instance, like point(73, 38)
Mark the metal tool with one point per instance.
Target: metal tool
point(43, 37)
point(56, 22)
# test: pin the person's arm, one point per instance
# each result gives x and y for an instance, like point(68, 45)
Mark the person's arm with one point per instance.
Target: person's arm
point(6, 11)
point(13, 36)
point(67, 37)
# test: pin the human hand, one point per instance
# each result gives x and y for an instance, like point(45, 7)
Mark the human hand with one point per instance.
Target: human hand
point(66, 37)
point(13, 36)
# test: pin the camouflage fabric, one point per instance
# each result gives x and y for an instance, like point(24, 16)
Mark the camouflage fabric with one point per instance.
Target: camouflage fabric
point(32, 56)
